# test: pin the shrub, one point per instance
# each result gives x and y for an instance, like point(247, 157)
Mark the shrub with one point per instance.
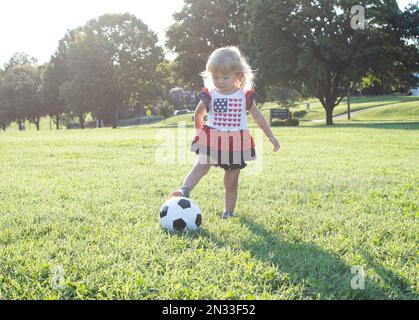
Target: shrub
point(300, 113)
point(285, 122)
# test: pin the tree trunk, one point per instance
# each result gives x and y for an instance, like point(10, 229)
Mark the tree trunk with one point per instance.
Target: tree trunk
point(81, 119)
point(115, 120)
point(19, 122)
point(3, 126)
point(37, 120)
point(57, 121)
point(349, 105)
point(329, 115)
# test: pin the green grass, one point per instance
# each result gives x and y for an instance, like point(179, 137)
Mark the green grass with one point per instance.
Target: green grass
point(402, 108)
point(358, 103)
point(79, 217)
point(406, 111)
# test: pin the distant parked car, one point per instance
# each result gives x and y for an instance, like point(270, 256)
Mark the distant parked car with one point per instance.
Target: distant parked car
point(183, 111)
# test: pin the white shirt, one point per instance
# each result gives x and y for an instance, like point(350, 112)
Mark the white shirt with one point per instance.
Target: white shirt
point(227, 112)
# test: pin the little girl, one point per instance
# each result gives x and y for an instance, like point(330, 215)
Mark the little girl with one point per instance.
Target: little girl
point(224, 141)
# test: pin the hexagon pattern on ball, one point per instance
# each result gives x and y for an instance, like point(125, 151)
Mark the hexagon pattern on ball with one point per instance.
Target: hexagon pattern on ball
point(180, 214)
point(163, 211)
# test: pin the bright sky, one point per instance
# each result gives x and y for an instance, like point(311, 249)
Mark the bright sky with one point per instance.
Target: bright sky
point(36, 26)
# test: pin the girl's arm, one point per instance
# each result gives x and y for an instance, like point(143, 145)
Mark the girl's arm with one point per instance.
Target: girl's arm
point(261, 122)
point(199, 115)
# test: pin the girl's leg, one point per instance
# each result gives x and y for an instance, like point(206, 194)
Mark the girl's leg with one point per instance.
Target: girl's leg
point(197, 172)
point(231, 180)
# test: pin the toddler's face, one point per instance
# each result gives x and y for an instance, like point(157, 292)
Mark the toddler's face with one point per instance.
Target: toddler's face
point(225, 82)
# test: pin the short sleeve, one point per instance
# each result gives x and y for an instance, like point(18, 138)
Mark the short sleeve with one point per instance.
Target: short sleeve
point(250, 97)
point(205, 97)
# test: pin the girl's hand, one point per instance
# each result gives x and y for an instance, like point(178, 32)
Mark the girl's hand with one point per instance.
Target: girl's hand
point(275, 143)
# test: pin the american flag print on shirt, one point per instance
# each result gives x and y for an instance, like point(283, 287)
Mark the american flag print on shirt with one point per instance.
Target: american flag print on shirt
point(220, 105)
point(227, 112)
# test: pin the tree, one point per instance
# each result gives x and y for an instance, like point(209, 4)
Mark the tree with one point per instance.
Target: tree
point(19, 84)
point(114, 59)
point(54, 74)
point(168, 79)
point(90, 87)
point(201, 27)
point(164, 109)
point(312, 44)
point(131, 49)
point(19, 95)
point(5, 110)
point(20, 58)
point(286, 97)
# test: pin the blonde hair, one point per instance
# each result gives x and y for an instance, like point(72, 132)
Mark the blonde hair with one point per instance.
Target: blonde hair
point(226, 60)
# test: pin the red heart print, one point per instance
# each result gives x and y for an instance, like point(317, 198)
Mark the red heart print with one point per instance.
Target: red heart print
point(230, 99)
point(234, 120)
point(229, 119)
point(234, 124)
point(229, 124)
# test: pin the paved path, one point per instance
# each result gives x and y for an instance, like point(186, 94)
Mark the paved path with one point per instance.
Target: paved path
point(344, 116)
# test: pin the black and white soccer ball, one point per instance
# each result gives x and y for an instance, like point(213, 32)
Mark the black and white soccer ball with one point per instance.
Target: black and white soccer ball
point(180, 214)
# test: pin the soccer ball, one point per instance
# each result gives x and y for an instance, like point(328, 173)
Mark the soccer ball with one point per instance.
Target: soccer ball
point(180, 214)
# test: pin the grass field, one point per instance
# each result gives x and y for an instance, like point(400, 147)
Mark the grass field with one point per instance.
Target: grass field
point(359, 103)
point(404, 108)
point(79, 216)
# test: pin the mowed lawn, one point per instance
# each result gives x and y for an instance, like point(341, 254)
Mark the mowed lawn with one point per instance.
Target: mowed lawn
point(392, 107)
point(79, 216)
